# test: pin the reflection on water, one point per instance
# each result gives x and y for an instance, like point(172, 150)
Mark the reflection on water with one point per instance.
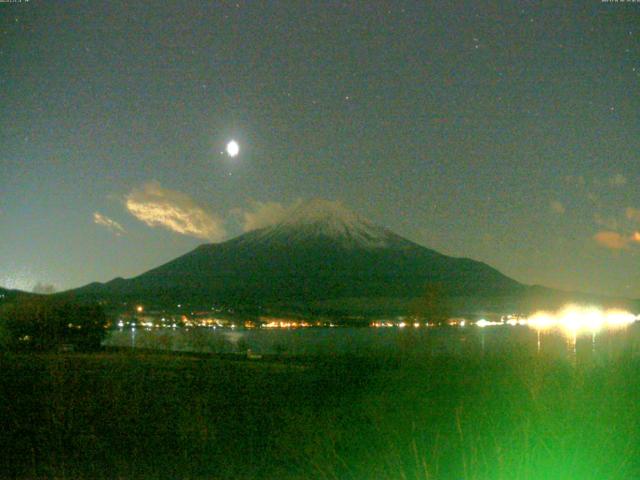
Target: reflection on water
point(602, 344)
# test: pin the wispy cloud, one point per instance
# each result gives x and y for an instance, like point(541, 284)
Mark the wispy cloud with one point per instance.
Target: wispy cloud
point(162, 207)
point(616, 241)
point(557, 207)
point(263, 214)
point(111, 225)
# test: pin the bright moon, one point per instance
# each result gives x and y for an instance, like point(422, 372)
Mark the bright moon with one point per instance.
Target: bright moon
point(233, 148)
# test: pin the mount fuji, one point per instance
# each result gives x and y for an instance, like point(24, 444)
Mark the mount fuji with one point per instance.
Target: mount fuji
point(322, 258)
point(321, 255)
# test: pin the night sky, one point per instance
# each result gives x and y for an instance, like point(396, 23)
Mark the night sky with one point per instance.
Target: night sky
point(507, 132)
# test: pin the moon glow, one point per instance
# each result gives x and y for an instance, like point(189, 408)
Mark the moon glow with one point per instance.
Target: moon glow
point(233, 148)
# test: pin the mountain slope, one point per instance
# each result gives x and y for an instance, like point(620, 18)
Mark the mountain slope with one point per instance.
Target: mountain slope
point(320, 252)
point(10, 295)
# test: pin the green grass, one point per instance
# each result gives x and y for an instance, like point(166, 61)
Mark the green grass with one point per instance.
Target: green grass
point(119, 415)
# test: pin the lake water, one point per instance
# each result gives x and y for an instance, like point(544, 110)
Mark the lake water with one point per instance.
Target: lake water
point(369, 341)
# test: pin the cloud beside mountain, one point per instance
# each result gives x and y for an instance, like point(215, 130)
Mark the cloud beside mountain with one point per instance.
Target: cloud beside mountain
point(263, 214)
point(157, 206)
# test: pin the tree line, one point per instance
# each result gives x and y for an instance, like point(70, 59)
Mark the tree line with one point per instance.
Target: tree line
point(49, 323)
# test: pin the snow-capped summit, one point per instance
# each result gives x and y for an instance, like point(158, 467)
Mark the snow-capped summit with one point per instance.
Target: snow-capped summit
point(324, 219)
point(319, 210)
point(320, 255)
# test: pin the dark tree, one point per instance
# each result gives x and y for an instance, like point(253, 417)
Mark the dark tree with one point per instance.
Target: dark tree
point(433, 305)
point(43, 324)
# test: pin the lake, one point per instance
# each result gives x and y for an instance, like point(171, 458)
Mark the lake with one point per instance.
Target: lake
point(385, 341)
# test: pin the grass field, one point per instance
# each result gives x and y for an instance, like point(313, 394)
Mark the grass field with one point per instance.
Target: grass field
point(123, 415)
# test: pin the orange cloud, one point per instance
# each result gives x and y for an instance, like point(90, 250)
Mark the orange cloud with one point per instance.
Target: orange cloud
point(611, 240)
point(615, 241)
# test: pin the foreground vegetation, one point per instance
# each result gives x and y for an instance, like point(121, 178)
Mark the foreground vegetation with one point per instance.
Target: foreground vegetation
point(125, 415)
point(40, 324)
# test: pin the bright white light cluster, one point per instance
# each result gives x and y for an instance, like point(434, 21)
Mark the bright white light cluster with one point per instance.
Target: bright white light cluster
point(578, 319)
point(486, 323)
